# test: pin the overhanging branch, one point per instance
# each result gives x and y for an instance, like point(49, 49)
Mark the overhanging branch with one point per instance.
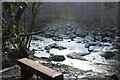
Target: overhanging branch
point(24, 35)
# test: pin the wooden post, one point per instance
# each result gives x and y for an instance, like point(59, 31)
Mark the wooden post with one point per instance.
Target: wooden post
point(26, 73)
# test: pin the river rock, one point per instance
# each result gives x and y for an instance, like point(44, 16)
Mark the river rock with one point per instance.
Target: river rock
point(54, 45)
point(98, 38)
point(57, 39)
point(62, 47)
point(95, 48)
point(78, 31)
point(83, 34)
point(47, 48)
point(87, 45)
point(55, 58)
point(98, 33)
point(35, 38)
point(84, 41)
point(91, 48)
point(83, 53)
point(62, 36)
point(72, 36)
point(107, 39)
point(116, 42)
point(116, 39)
point(113, 76)
point(90, 37)
point(75, 55)
point(49, 34)
point(78, 39)
point(116, 45)
point(32, 52)
point(108, 53)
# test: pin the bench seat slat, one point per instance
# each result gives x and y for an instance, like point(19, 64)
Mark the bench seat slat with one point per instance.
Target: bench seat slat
point(39, 67)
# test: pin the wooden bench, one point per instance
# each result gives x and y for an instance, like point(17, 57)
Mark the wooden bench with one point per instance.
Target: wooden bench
point(29, 67)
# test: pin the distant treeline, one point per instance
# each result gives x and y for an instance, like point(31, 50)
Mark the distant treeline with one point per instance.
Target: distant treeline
point(99, 14)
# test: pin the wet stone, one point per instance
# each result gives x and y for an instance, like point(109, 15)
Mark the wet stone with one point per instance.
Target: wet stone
point(57, 39)
point(108, 54)
point(49, 34)
point(35, 38)
point(55, 58)
point(32, 52)
point(56, 46)
point(75, 55)
point(116, 39)
point(90, 37)
point(116, 45)
point(87, 45)
point(98, 38)
point(78, 39)
point(106, 39)
point(47, 48)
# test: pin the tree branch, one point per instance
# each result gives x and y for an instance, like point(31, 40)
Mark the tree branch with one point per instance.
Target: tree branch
point(24, 35)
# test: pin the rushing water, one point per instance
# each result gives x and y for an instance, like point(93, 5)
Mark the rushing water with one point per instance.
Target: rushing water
point(72, 46)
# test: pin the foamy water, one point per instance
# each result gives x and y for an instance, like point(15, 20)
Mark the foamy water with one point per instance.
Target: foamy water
point(71, 47)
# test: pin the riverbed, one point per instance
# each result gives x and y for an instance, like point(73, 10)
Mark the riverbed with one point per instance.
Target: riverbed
point(94, 61)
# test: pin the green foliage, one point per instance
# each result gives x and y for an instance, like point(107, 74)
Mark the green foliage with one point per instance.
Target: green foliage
point(66, 65)
point(89, 70)
point(20, 28)
point(14, 27)
point(34, 58)
point(36, 5)
point(12, 6)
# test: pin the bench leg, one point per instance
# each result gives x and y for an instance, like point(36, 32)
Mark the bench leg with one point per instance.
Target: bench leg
point(26, 73)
